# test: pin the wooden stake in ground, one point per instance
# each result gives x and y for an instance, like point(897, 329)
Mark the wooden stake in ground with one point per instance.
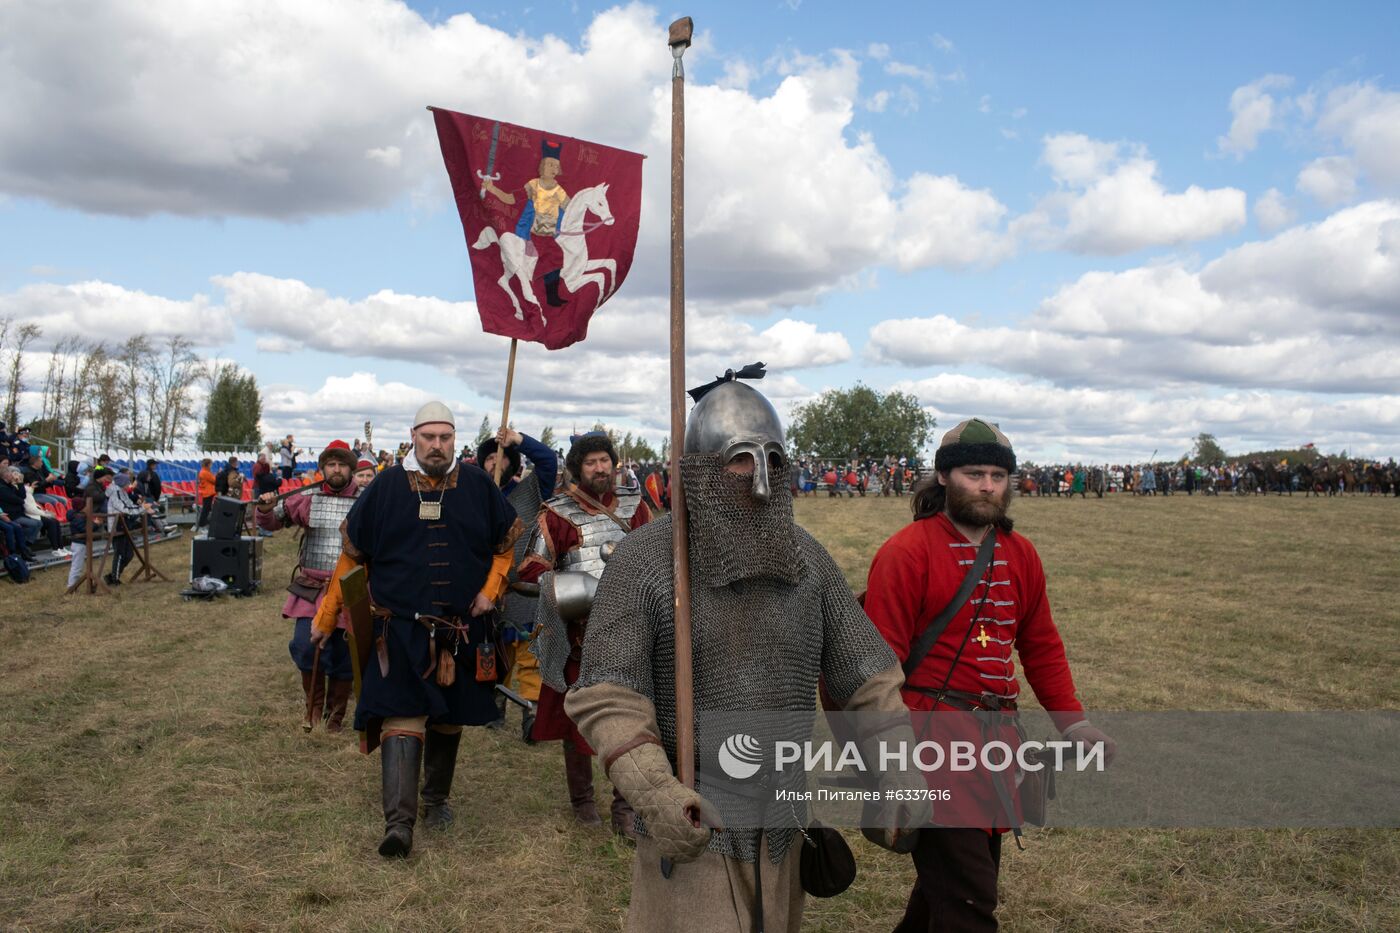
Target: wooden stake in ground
point(679, 40)
point(505, 412)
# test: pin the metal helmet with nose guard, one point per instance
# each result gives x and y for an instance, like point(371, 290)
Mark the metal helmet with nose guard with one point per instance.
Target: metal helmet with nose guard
point(731, 418)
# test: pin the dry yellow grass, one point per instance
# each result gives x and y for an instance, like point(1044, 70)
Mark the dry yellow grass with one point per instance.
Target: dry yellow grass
point(153, 773)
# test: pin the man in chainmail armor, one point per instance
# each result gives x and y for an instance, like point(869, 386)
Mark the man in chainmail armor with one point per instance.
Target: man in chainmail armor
point(576, 532)
point(526, 495)
point(756, 577)
point(318, 511)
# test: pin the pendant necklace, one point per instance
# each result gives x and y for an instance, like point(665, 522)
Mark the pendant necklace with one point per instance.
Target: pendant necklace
point(429, 511)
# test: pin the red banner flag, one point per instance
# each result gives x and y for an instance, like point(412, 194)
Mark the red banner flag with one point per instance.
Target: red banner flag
point(550, 221)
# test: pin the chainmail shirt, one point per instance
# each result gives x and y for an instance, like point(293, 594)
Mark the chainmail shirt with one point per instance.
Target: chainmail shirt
point(784, 617)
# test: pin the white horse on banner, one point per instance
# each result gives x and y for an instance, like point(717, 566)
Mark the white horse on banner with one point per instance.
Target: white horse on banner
point(518, 257)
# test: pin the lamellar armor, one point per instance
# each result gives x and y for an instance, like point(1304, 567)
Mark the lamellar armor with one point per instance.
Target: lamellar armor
point(598, 535)
point(320, 546)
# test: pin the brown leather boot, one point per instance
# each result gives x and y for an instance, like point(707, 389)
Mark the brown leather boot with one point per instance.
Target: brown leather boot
point(578, 773)
point(622, 817)
point(336, 701)
point(399, 757)
point(439, 764)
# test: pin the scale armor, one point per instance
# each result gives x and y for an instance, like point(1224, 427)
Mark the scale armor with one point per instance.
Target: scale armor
point(320, 544)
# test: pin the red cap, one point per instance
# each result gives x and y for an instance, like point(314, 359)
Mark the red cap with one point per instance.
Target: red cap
point(364, 464)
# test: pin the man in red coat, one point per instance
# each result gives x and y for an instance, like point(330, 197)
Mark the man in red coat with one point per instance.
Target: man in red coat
point(576, 532)
point(915, 574)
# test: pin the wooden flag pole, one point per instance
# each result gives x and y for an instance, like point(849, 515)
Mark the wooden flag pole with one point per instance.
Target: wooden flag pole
point(679, 40)
point(505, 411)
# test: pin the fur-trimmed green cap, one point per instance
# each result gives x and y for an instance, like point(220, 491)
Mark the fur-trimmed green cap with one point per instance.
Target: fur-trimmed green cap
point(975, 441)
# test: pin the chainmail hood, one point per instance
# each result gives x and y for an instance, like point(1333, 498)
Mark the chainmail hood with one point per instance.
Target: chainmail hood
point(732, 536)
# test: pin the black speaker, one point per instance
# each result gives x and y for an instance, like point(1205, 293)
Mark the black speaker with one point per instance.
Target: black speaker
point(226, 518)
point(237, 562)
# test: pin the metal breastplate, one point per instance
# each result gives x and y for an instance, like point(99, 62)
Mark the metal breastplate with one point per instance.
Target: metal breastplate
point(320, 548)
point(594, 530)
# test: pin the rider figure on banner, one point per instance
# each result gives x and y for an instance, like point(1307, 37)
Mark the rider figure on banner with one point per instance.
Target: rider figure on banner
point(542, 215)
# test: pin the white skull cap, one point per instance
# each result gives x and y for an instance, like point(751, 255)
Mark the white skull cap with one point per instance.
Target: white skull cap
point(432, 413)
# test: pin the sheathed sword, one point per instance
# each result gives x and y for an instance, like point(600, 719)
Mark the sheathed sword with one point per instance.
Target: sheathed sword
point(490, 161)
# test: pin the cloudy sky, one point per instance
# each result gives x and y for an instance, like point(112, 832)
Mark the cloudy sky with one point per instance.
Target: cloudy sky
point(1108, 230)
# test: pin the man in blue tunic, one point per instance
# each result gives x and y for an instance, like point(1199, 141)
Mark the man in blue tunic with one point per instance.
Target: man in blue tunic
point(437, 538)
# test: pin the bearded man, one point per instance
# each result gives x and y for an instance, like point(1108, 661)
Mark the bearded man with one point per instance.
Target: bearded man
point(771, 613)
point(914, 576)
point(437, 537)
point(319, 511)
point(575, 535)
point(526, 495)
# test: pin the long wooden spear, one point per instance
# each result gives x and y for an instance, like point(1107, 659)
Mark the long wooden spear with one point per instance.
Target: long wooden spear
point(679, 40)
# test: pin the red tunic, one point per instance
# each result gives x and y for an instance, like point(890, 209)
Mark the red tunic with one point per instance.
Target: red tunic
point(561, 537)
point(914, 575)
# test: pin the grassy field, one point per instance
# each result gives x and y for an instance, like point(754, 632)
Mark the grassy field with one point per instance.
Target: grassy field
point(153, 773)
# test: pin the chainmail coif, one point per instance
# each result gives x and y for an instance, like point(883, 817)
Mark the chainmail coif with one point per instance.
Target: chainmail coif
point(732, 536)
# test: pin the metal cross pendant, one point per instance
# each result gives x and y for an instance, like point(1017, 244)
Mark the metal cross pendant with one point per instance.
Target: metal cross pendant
point(983, 638)
point(430, 511)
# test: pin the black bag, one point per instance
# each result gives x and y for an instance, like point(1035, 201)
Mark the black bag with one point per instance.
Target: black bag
point(827, 866)
point(17, 568)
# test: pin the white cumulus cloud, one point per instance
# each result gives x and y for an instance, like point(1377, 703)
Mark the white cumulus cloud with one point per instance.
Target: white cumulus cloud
point(1254, 110)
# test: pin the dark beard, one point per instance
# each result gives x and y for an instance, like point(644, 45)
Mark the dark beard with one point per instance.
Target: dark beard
point(732, 536)
point(599, 487)
point(435, 470)
point(976, 511)
point(337, 482)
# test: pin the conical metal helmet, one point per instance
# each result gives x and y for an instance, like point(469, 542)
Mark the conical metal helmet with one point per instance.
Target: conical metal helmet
point(734, 418)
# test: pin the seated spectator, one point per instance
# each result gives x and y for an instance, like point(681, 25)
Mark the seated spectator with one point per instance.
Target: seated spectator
point(72, 483)
point(14, 537)
point(49, 523)
point(148, 483)
point(36, 474)
point(11, 503)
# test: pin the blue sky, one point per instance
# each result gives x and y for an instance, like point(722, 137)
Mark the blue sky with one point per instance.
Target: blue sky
point(1107, 227)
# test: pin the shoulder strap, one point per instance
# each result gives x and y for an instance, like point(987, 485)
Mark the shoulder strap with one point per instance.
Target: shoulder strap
point(924, 643)
point(583, 498)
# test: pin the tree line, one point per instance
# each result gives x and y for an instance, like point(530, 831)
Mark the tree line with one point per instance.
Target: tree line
point(139, 394)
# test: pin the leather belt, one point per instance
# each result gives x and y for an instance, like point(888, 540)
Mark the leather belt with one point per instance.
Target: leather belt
point(961, 699)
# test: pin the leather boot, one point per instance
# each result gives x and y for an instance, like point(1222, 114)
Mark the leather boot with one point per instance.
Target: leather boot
point(336, 701)
point(399, 756)
point(439, 763)
point(527, 726)
point(622, 817)
point(578, 772)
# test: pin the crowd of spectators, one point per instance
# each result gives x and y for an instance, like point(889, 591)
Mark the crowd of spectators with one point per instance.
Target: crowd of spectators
point(43, 513)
